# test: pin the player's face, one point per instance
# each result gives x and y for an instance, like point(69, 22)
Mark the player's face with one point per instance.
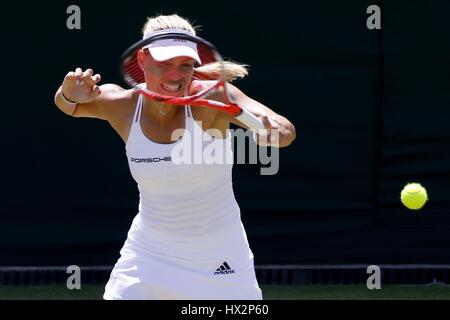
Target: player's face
point(169, 77)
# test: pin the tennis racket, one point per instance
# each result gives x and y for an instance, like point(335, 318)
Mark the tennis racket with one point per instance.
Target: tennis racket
point(134, 76)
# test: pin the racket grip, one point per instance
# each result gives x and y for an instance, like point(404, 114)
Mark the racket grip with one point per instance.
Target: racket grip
point(250, 120)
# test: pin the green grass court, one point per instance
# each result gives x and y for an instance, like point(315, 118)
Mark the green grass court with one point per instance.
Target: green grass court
point(270, 292)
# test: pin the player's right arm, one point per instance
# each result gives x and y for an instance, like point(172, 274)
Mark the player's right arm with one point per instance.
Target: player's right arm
point(85, 98)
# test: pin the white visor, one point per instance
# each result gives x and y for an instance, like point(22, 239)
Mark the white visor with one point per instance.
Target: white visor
point(170, 48)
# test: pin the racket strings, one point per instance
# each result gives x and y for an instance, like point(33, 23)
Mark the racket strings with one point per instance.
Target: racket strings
point(133, 72)
point(206, 54)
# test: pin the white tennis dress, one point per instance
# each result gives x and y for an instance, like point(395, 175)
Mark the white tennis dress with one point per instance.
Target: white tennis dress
point(187, 241)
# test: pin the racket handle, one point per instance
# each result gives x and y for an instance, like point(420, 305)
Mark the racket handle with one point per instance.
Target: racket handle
point(250, 120)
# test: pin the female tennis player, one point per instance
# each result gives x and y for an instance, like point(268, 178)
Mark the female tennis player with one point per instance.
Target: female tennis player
point(187, 240)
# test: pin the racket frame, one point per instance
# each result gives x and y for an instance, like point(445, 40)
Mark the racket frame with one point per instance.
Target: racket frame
point(199, 98)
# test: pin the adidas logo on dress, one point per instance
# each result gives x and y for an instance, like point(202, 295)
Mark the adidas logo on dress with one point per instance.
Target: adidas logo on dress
point(224, 269)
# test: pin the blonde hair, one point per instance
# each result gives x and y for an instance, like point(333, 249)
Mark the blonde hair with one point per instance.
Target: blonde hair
point(211, 71)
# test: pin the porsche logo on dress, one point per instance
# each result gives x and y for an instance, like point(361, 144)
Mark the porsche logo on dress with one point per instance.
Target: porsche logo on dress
point(150, 160)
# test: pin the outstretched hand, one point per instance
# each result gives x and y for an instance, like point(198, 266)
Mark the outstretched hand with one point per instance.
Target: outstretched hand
point(81, 87)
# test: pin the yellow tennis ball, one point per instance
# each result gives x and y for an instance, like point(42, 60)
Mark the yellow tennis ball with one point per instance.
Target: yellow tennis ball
point(414, 196)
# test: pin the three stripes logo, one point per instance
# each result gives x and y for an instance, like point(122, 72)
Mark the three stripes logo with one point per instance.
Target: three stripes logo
point(224, 269)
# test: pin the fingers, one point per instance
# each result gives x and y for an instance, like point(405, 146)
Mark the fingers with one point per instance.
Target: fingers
point(71, 75)
point(78, 75)
point(81, 86)
point(97, 78)
point(86, 77)
point(88, 72)
point(90, 78)
point(78, 72)
point(270, 135)
point(95, 92)
point(268, 122)
point(267, 126)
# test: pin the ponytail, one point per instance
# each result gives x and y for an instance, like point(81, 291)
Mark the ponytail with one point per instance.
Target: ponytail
point(216, 70)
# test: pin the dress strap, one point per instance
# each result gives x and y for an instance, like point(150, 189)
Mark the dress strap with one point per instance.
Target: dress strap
point(138, 109)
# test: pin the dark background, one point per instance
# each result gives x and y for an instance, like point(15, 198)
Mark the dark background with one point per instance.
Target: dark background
point(371, 109)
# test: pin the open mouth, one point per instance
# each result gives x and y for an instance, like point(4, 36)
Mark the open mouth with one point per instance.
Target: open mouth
point(172, 88)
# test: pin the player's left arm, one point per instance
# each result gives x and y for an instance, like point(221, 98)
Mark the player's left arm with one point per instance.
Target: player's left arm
point(275, 123)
